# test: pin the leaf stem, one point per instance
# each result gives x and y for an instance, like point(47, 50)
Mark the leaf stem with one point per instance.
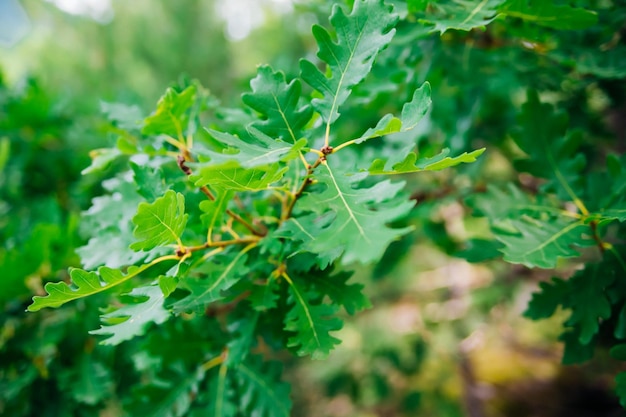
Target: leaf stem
point(223, 243)
point(216, 361)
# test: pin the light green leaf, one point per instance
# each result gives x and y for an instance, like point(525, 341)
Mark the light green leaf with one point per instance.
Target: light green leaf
point(260, 150)
point(133, 319)
point(277, 102)
point(412, 114)
point(170, 117)
point(546, 13)
point(312, 324)
point(361, 35)
point(460, 14)
point(85, 284)
point(239, 179)
point(411, 163)
point(360, 215)
point(161, 222)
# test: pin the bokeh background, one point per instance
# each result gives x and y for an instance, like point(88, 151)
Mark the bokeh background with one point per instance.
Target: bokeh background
point(446, 337)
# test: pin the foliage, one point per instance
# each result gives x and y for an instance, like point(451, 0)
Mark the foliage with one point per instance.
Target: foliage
point(224, 237)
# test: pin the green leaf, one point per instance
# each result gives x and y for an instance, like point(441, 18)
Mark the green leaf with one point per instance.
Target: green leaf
point(277, 102)
point(361, 35)
point(262, 392)
point(551, 153)
point(620, 388)
point(84, 284)
point(412, 114)
point(150, 181)
point(544, 303)
point(619, 352)
point(239, 179)
point(460, 14)
point(214, 276)
point(170, 117)
point(220, 401)
point(575, 351)
point(168, 396)
point(108, 224)
point(361, 215)
point(161, 222)
point(411, 163)
point(311, 323)
point(89, 382)
point(131, 320)
point(260, 150)
point(336, 288)
point(546, 13)
point(588, 300)
point(542, 243)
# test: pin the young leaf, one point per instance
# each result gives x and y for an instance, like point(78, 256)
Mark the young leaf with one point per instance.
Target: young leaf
point(170, 117)
point(411, 163)
point(311, 323)
point(263, 394)
point(359, 227)
point(546, 13)
point(85, 284)
point(260, 150)
point(239, 179)
point(133, 319)
point(161, 222)
point(412, 114)
point(277, 102)
point(542, 243)
point(361, 35)
point(460, 14)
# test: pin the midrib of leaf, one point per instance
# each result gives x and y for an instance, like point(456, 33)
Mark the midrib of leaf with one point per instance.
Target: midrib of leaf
point(282, 115)
point(475, 11)
point(270, 392)
point(555, 237)
point(577, 201)
point(299, 225)
point(344, 70)
point(301, 301)
point(265, 155)
point(165, 407)
point(345, 204)
point(227, 270)
point(176, 237)
point(73, 295)
point(221, 386)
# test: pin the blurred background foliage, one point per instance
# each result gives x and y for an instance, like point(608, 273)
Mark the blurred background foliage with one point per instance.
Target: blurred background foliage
point(446, 336)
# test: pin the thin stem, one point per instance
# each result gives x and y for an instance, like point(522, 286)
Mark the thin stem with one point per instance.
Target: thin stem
point(305, 182)
point(223, 243)
point(216, 361)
